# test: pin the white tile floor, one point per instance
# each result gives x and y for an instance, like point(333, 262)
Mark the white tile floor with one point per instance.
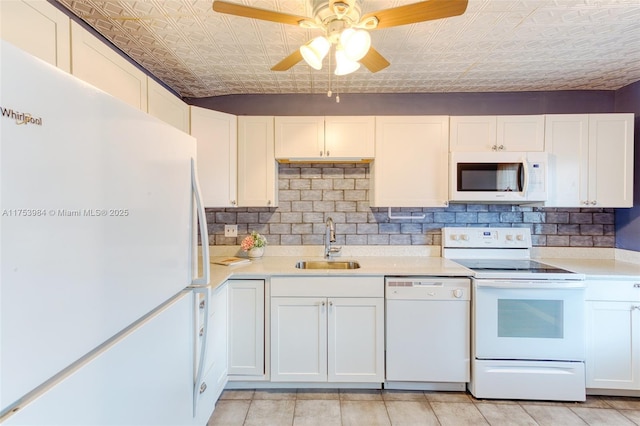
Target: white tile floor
point(329, 407)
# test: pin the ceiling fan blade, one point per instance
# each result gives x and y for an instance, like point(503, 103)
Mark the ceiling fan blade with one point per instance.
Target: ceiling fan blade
point(417, 12)
point(255, 13)
point(288, 62)
point(374, 61)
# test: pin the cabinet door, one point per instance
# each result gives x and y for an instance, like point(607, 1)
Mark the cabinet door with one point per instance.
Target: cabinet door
point(411, 166)
point(473, 133)
point(38, 28)
point(349, 137)
point(98, 64)
point(298, 339)
point(355, 338)
point(520, 133)
point(613, 345)
point(611, 160)
point(299, 137)
point(217, 353)
point(216, 133)
point(246, 328)
point(256, 163)
point(567, 145)
point(167, 107)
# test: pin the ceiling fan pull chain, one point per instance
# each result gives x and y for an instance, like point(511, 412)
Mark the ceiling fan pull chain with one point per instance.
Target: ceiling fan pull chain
point(329, 93)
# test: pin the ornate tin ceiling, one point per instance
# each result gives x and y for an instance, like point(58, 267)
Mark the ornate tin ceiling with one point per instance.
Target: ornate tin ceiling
point(497, 45)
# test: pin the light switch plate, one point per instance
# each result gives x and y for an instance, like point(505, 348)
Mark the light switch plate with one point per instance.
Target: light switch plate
point(231, 230)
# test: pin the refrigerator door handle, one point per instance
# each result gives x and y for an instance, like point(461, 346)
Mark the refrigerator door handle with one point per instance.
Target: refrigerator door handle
point(203, 350)
point(204, 235)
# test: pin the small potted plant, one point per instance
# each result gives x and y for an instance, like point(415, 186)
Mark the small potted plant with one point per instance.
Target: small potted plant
point(254, 245)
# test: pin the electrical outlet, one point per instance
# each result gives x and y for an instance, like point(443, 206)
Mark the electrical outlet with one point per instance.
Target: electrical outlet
point(231, 230)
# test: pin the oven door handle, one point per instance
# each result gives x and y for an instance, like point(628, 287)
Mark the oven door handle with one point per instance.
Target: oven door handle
point(528, 285)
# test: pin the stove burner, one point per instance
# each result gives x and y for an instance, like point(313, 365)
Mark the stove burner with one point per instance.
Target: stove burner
point(509, 265)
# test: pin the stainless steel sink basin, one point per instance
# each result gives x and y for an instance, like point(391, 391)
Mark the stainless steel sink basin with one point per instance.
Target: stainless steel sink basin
point(327, 264)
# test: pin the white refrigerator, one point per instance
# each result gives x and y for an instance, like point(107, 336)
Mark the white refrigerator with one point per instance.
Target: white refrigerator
point(100, 302)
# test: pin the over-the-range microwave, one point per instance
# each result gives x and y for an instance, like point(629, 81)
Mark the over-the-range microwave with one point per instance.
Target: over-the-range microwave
point(495, 177)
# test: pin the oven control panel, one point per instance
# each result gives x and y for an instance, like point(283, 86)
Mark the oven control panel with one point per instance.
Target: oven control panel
point(469, 237)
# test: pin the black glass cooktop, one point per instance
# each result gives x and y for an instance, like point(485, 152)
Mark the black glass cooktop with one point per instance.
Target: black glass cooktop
point(510, 265)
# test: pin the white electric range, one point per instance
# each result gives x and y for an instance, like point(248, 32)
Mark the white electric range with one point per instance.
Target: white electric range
point(527, 317)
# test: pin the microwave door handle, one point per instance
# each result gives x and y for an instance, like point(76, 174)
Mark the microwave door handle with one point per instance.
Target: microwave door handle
point(525, 176)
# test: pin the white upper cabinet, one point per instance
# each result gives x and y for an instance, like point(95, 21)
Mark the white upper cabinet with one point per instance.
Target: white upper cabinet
point(590, 160)
point(38, 28)
point(411, 165)
point(339, 138)
point(98, 64)
point(167, 107)
point(256, 162)
point(216, 133)
point(349, 137)
point(473, 133)
point(497, 133)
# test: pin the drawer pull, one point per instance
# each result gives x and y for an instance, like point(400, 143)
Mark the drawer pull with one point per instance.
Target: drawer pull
point(636, 285)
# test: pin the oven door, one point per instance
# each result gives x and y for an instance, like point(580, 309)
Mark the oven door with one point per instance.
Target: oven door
point(529, 320)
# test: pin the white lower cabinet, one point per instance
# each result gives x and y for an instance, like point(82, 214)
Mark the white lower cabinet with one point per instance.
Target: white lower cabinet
point(215, 370)
point(327, 329)
point(246, 330)
point(613, 336)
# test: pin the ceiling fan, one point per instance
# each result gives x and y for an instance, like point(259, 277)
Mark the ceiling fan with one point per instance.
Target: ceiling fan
point(346, 29)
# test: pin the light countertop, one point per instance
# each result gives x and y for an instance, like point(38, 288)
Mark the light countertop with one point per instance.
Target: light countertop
point(597, 268)
point(269, 266)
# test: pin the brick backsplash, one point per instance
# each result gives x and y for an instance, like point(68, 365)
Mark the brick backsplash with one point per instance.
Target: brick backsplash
point(309, 193)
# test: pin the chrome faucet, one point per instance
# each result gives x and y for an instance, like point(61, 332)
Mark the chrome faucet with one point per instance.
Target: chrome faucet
point(330, 237)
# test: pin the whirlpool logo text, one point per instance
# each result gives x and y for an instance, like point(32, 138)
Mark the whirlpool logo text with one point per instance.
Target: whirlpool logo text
point(20, 117)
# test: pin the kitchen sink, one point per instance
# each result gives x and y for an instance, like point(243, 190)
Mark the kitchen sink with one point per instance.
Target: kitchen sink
point(327, 264)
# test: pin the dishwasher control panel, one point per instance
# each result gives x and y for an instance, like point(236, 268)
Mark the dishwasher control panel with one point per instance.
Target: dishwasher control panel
point(427, 288)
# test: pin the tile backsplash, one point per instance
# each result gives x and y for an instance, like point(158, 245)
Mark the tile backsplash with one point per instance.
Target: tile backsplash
point(309, 193)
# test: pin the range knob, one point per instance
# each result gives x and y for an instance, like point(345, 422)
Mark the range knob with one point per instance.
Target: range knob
point(509, 237)
point(520, 237)
point(464, 237)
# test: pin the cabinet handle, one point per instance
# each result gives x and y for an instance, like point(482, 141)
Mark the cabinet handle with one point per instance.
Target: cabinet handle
point(323, 303)
point(501, 148)
point(494, 148)
point(233, 202)
point(636, 285)
point(330, 303)
point(634, 307)
point(202, 304)
point(593, 203)
point(201, 333)
point(328, 153)
point(203, 387)
point(321, 153)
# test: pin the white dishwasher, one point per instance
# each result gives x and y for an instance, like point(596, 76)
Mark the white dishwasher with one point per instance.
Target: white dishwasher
point(427, 333)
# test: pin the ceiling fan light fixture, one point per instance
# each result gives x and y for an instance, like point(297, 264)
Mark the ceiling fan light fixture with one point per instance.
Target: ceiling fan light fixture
point(356, 43)
point(345, 65)
point(314, 51)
